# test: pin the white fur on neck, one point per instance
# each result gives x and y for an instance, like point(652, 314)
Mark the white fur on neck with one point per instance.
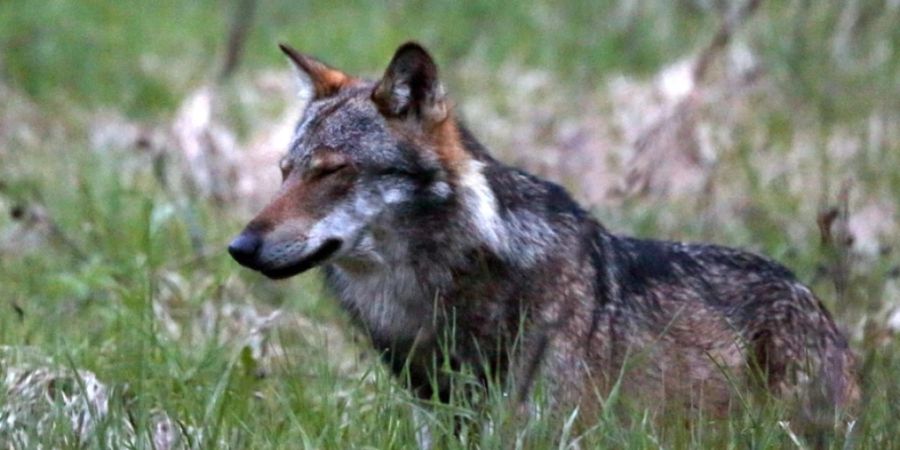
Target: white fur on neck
point(482, 208)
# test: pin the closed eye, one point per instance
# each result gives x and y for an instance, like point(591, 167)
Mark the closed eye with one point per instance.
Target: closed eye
point(324, 171)
point(325, 162)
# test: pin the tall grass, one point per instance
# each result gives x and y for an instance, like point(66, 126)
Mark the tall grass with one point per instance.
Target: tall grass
point(105, 269)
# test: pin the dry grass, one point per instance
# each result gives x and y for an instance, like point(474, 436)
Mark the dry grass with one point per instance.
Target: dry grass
point(125, 323)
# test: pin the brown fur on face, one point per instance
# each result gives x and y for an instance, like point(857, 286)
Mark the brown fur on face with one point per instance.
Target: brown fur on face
point(307, 193)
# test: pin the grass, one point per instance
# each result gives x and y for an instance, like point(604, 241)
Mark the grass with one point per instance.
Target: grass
point(105, 268)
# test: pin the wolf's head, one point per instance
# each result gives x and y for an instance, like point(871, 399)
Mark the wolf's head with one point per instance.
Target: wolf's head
point(364, 156)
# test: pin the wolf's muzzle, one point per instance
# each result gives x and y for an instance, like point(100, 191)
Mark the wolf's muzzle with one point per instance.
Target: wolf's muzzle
point(325, 251)
point(245, 249)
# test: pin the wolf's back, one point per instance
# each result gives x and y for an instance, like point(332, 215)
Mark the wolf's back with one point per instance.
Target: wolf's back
point(688, 298)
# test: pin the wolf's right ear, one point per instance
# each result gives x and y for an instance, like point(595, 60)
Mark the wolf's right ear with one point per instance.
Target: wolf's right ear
point(318, 80)
point(410, 87)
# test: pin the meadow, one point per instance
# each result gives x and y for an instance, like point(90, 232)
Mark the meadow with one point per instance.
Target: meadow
point(132, 150)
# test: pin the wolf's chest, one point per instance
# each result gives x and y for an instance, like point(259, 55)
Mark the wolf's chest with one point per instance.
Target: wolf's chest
point(391, 305)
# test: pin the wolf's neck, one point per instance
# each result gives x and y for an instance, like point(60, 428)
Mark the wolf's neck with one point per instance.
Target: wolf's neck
point(487, 233)
point(479, 208)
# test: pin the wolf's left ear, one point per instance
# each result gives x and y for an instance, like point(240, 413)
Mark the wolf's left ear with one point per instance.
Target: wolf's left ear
point(410, 87)
point(315, 76)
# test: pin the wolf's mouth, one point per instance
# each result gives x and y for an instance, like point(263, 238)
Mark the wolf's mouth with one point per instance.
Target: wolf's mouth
point(324, 252)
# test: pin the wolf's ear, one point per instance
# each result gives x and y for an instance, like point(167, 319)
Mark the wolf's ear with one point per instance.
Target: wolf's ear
point(316, 77)
point(410, 87)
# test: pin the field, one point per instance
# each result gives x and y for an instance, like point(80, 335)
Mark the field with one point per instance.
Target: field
point(131, 152)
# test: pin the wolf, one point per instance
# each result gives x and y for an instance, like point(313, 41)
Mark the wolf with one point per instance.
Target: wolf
point(447, 257)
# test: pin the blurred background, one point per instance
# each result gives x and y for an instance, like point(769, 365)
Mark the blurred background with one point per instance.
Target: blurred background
point(137, 137)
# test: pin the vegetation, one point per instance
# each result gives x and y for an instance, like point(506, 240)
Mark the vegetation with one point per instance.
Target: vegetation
point(123, 322)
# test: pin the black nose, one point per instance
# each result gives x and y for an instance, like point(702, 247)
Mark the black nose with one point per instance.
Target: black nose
point(245, 247)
